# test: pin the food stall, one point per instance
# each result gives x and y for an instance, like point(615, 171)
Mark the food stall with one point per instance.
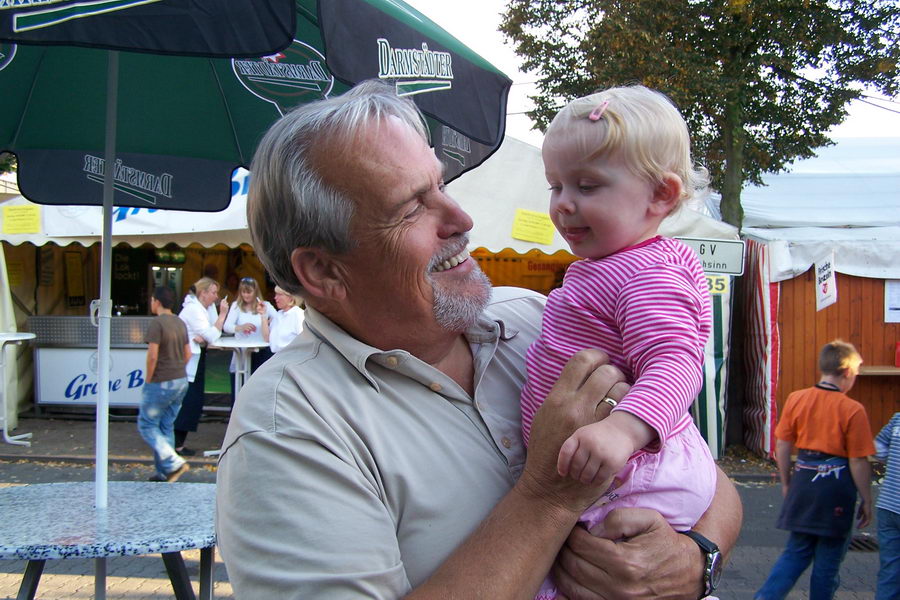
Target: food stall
point(51, 255)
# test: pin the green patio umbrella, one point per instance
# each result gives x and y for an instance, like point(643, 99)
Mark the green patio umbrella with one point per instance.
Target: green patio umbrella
point(181, 118)
point(185, 123)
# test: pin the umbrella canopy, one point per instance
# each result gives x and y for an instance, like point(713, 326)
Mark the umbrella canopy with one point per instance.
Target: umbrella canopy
point(174, 118)
point(184, 124)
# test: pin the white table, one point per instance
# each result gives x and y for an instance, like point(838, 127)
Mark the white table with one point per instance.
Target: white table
point(242, 350)
point(15, 337)
point(51, 521)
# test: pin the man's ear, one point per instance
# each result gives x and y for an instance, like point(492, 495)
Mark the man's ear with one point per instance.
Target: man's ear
point(666, 195)
point(319, 273)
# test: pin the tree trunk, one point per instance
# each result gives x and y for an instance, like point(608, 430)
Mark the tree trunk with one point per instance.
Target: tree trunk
point(733, 134)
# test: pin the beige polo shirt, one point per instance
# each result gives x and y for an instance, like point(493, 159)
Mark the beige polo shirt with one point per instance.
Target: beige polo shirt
point(350, 472)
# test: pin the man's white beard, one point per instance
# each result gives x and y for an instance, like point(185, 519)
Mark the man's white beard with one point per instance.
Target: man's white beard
point(459, 310)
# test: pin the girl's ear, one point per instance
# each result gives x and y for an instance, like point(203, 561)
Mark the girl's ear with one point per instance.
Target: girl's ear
point(666, 195)
point(319, 273)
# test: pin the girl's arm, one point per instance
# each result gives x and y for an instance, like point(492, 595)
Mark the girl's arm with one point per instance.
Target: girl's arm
point(231, 319)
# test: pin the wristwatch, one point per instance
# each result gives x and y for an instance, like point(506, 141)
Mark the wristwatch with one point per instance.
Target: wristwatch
point(712, 573)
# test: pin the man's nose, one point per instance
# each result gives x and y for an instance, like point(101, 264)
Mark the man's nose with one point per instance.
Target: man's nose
point(455, 219)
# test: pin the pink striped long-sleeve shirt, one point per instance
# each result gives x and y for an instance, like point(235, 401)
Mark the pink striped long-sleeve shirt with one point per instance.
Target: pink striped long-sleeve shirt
point(648, 307)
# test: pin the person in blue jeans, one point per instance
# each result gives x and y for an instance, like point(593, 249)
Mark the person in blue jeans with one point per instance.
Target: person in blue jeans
point(831, 434)
point(165, 384)
point(887, 449)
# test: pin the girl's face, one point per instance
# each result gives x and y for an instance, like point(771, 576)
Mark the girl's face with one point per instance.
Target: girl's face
point(599, 206)
point(247, 294)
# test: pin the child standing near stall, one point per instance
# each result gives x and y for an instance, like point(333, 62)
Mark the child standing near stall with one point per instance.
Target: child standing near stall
point(618, 162)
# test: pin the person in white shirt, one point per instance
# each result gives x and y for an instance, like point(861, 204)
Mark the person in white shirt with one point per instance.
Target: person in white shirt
point(197, 313)
point(288, 321)
point(244, 322)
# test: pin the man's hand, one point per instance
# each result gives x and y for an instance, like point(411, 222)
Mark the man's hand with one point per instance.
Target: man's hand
point(639, 556)
point(572, 403)
point(595, 452)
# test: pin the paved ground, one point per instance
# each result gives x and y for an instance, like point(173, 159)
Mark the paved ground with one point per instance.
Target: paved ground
point(63, 451)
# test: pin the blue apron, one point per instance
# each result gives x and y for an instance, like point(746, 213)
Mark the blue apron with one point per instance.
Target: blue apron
point(821, 497)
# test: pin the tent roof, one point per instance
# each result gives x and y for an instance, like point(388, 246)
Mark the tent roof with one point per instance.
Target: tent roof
point(64, 225)
point(846, 199)
point(853, 183)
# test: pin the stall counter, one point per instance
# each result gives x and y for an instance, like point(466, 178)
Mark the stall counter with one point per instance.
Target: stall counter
point(65, 359)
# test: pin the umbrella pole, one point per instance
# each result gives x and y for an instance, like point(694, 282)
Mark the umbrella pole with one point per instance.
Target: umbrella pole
point(105, 316)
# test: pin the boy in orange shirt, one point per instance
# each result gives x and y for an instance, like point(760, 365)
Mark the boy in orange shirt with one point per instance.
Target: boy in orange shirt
point(831, 434)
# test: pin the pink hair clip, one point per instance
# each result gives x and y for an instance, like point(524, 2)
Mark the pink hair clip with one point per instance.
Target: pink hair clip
point(598, 112)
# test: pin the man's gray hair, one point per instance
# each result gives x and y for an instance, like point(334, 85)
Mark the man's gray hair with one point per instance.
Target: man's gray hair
point(290, 204)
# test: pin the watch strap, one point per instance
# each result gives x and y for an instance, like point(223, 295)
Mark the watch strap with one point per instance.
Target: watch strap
point(712, 566)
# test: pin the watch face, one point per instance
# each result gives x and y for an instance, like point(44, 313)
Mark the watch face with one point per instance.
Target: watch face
point(715, 570)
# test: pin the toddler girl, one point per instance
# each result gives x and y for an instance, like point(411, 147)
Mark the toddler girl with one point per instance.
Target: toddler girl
point(618, 162)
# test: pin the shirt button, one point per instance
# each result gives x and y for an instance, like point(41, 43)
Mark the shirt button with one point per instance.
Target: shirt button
point(435, 387)
point(506, 442)
point(392, 361)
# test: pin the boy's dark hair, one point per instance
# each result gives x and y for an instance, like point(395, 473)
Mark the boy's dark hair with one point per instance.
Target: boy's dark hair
point(165, 296)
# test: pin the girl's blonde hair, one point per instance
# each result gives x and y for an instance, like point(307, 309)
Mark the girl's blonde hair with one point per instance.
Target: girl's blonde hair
point(248, 283)
point(638, 124)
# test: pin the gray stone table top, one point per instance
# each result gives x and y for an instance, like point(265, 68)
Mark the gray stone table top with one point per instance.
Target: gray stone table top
point(58, 520)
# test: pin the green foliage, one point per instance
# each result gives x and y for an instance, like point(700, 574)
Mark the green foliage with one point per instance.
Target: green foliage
point(760, 82)
point(7, 162)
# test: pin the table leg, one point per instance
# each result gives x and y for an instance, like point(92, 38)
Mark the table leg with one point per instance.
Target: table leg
point(242, 369)
point(100, 578)
point(20, 439)
point(31, 579)
point(207, 557)
point(178, 575)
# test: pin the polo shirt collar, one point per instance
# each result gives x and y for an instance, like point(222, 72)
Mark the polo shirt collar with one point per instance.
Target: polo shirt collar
point(485, 331)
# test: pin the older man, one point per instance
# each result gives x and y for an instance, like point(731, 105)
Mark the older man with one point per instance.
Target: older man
point(380, 454)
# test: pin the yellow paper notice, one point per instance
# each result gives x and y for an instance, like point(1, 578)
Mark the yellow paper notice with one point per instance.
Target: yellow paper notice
point(531, 226)
point(22, 219)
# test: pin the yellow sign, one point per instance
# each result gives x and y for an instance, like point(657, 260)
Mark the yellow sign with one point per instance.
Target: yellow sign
point(532, 226)
point(718, 284)
point(22, 219)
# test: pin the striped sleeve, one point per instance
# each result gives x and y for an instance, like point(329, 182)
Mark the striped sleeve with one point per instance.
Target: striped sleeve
point(665, 321)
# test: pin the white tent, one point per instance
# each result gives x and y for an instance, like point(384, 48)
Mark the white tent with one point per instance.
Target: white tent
point(846, 199)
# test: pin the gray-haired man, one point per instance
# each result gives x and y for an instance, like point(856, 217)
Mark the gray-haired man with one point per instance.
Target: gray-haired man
point(380, 454)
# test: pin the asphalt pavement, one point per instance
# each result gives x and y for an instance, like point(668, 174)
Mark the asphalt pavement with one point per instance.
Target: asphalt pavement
point(63, 449)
